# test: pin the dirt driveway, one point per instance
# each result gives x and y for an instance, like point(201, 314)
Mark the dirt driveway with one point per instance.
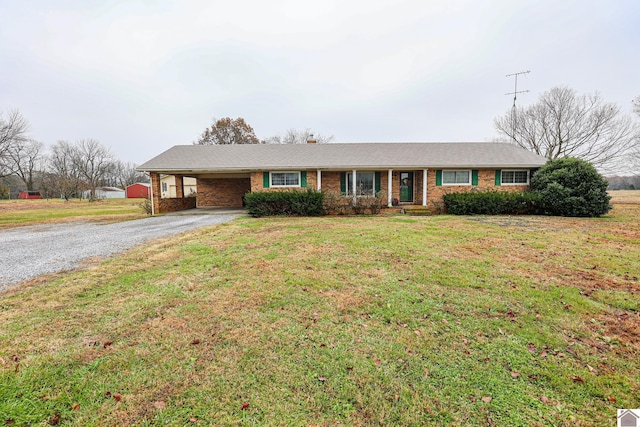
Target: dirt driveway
point(28, 252)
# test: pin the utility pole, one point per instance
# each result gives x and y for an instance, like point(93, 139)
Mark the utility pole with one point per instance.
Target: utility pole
point(514, 116)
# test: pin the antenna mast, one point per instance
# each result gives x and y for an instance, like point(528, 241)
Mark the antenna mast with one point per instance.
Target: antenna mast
point(514, 116)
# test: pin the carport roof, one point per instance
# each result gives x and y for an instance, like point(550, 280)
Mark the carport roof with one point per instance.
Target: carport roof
point(340, 156)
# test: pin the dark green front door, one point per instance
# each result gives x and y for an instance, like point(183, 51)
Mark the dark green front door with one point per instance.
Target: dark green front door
point(406, 186)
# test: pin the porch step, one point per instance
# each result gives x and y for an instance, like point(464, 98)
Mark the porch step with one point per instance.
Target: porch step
point(415, 210)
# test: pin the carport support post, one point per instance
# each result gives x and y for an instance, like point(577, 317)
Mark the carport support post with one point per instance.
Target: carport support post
point(155, 192)
point(179, 187)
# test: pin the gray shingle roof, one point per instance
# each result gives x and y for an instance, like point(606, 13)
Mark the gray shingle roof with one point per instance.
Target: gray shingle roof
point(338, 156)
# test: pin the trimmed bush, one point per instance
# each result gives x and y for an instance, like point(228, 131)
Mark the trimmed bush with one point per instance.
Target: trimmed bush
point(491, 203)
point(290, 203)
point(571, 187)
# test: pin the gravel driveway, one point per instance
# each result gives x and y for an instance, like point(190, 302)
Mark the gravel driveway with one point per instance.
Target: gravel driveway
point(27, 252)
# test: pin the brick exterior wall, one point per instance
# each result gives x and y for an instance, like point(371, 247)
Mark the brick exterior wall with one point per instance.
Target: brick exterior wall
point(229, 191)
point(486, 181)
point(226, 192)
point(175, 204)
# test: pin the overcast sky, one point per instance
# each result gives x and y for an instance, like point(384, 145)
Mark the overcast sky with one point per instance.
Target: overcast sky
point(142, 76)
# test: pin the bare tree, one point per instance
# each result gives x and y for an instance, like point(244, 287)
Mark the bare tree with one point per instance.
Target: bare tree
point(13, 130)
point(563, 124)
point(63, 177)
point(26, 161)
point(94, 162)
point(293, 136)
point(124, 174)
point(228, 131)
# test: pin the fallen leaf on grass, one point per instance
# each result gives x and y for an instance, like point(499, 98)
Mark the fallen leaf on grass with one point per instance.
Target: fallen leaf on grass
point(159, 404)
point(193, 420)
point(195, 341)
point(486, 399)
point(612, 399)
point(577, 379)
point(322, 379)
point(117, 396)
point(244, 406)
point(107, 344)
point(76, 406)
point(592, 370)
point(531, 347)
point(544, 399)
point(515, 374)
point(55, 419)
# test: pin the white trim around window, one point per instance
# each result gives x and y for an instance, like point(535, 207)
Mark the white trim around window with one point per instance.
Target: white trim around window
point(284, 179)
point(514, 177)
point(456, 177)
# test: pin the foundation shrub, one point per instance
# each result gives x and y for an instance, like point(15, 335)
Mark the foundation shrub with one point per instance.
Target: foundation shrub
point(492, 203)
point(289, 203)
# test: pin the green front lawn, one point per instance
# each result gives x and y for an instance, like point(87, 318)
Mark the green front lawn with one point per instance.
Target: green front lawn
point(337, 321)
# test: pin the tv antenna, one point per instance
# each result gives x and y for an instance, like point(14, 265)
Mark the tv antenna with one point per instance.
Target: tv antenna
point(514, 115)
point(515, 88)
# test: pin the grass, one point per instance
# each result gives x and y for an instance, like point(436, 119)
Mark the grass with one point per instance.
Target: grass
point(31, 212)
point(337, 321)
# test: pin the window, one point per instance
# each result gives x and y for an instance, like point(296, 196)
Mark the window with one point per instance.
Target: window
point(285, 179)
point(364, 184)
point(164, 187)
point(515, 177)
point(456, 177)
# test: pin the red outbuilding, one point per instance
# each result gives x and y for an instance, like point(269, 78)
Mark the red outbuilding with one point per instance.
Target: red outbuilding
point(139, 190)
point(30, 195)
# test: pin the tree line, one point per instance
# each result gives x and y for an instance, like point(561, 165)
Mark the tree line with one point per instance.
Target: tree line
point(66, 170)
point(560, 124)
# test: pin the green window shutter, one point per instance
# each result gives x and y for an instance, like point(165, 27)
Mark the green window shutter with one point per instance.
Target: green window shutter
point(439, 177)
point(474, 177)
point(343, 182)
point(498, 177)
point(265, 179)
point(303, 179)
point(377, 182)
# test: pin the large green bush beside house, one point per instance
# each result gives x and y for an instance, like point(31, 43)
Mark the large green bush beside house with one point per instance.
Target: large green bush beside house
point(571, 187)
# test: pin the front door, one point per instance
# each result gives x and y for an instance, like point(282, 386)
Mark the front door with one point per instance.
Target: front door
point(406, 186)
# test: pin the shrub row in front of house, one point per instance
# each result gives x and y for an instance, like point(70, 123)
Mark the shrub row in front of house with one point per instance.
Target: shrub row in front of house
point(564, 187)
point(309, 203)
point(492, 203)
point(290, 203)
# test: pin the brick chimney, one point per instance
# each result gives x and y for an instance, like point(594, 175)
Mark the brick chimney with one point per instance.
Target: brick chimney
point(311, 139)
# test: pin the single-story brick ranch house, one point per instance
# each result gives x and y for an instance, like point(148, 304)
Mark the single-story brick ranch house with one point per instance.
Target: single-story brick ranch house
point(401, 173)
